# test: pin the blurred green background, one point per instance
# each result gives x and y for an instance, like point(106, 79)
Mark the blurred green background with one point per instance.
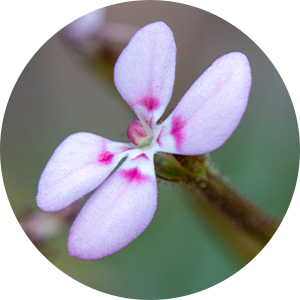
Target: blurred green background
point(181, 252)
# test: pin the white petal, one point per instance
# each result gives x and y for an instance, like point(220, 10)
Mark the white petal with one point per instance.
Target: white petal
point(117, 212)
point(145, 71)
point(79, 164)
point(210, 110)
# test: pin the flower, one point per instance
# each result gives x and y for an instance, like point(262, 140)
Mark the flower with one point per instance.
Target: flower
point(82, 29)
point(124, 202)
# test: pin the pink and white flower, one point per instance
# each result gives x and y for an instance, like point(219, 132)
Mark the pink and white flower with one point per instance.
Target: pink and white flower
point(124, 202)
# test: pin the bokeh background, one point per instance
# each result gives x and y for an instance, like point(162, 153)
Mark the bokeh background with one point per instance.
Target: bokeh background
point(67, 87)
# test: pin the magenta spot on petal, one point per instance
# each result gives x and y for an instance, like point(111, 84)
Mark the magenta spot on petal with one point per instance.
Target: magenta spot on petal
point(158, 140)
point(133, 175)
point(105, 157)
point(149, 122)
point(143, 155)
point(126, 149)
point(150, 103)
point(176, 131)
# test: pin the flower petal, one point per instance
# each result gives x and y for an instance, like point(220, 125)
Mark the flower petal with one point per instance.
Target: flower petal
point(145, 71)
point(210, 110)
point(117, 212)
point(79, 164)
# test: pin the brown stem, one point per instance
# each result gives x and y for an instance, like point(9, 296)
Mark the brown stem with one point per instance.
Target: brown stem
point(217, 194)
point(221, 196)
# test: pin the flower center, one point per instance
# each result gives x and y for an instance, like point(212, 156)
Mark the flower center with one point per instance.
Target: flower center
point(137, 135)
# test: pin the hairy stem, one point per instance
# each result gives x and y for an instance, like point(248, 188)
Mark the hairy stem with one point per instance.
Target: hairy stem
point(217, 196)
